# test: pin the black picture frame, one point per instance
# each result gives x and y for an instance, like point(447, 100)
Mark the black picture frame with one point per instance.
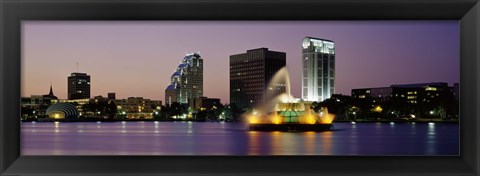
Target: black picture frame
point(14, 11)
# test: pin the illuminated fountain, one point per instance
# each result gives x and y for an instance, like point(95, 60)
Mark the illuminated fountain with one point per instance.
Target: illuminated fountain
point(285, 113)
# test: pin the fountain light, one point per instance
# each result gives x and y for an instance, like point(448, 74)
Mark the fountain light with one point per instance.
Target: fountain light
point(252, 119)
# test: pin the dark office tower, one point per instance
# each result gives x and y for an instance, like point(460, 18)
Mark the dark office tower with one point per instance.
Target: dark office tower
point(78, 86)
point(187, 80)
point(318, 73)
point(250, 74)
point(111, 96)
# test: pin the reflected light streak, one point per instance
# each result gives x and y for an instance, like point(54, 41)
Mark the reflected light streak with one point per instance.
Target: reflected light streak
point(253, 148)
point(276, 143)
point(327, 141)
point(310, 142)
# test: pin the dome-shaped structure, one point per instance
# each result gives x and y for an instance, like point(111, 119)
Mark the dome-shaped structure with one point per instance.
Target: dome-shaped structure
point(62, 110)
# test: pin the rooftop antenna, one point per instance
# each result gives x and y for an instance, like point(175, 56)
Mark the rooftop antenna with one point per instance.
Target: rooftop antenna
point(77, 66)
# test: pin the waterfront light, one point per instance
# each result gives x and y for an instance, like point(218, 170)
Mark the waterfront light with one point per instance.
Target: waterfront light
point(378, 109)
point(431, 112)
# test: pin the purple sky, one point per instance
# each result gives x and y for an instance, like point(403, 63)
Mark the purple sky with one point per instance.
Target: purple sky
point(138, 58)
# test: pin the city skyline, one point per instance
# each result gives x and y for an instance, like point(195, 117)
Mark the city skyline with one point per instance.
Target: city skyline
point(136, 58)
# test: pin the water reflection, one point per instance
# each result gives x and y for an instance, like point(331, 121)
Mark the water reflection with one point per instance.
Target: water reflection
point(57, 130)
point(431, 142)
point(170, 138)
point(310, 138)
point(326, 137)
point(276, 146)
point(253, 140)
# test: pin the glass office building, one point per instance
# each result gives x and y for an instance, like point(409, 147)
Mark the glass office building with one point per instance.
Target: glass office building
point(250, 74)
point(318, 74)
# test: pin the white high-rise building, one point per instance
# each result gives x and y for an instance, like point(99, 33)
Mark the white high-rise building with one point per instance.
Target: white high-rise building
point(318, 74)
point(187, 80)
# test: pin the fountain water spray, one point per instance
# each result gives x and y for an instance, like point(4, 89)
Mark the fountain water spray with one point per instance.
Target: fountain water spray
point(284, 111)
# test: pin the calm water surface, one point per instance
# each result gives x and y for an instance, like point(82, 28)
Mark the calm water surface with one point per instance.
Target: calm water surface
point(213, 138)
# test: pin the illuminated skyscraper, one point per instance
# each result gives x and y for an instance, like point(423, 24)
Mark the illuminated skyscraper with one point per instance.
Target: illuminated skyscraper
point(318, 74)
point(187, 80)
point(78, 86)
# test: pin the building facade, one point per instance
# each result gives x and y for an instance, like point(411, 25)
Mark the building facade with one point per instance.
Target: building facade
point(78, 86)
point(36, 105)
point(138, 107)
point(318, 74)
point(187, 80)
point(204, 103)
point(456, 91)
point(380, 93)
point(250, 74)
point(425, 100)
point(422, 93)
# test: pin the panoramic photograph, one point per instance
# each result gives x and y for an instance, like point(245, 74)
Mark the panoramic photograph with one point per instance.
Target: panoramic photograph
point(240, 88)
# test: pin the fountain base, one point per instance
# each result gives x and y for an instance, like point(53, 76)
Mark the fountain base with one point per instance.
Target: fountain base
point(291, 127)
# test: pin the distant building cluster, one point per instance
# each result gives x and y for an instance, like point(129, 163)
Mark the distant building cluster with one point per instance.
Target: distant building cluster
point(408, 93)
point(424, 100)
point(79, 104)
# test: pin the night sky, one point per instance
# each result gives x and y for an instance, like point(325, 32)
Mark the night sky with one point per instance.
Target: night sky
point(138, 58)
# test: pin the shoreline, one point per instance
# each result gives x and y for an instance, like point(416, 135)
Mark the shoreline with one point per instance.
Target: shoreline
point(72, 120)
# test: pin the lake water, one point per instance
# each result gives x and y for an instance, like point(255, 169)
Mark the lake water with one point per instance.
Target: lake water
point(214, 138)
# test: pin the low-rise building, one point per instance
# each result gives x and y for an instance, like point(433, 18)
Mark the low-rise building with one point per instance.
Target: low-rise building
point(138, 107)
point(204, 103)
